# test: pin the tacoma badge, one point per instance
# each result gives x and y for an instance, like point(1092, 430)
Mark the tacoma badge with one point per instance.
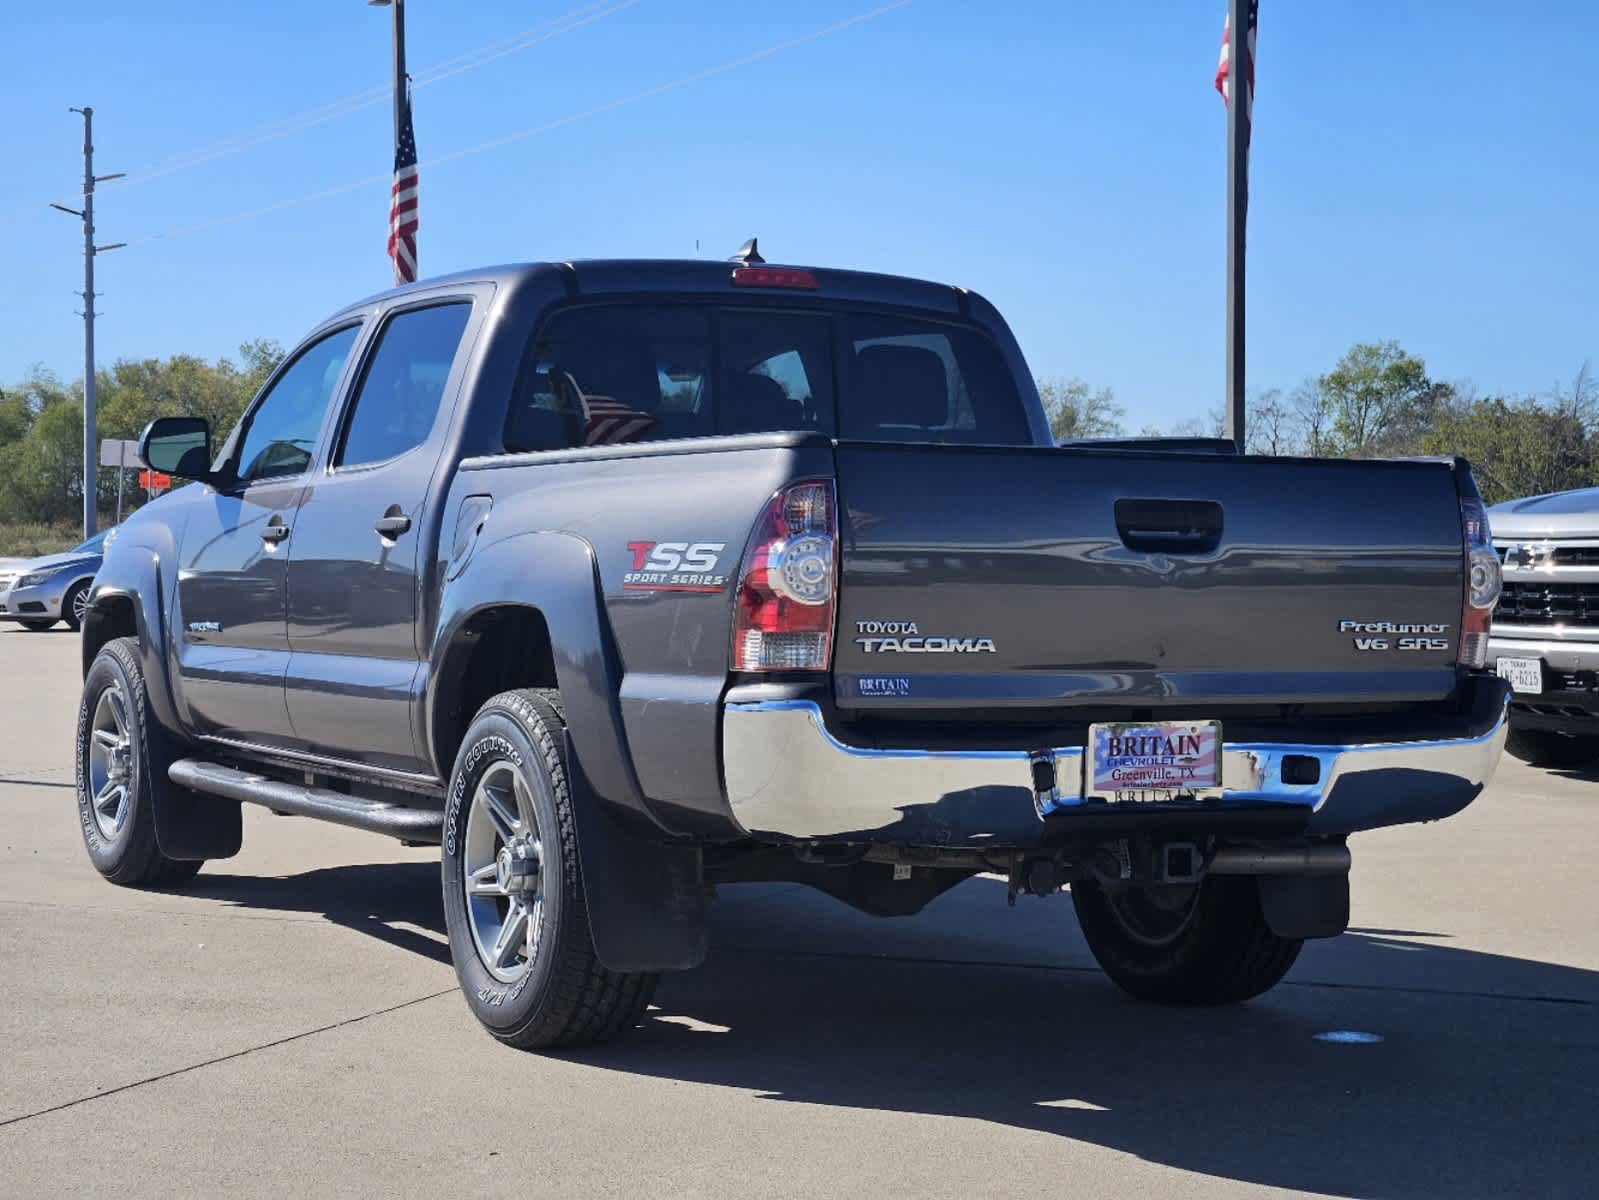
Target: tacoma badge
point(902, 637)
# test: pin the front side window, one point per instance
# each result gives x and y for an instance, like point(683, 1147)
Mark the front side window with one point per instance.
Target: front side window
point(281, 432)
point(400, 395)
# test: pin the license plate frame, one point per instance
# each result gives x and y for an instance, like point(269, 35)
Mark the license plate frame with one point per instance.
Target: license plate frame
point(1525, 674)
point(1122, 775)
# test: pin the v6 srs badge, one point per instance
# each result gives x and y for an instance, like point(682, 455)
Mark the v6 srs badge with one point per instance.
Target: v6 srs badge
point(676, 567)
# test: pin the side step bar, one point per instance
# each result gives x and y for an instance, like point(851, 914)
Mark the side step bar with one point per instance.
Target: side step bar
point(376, 816)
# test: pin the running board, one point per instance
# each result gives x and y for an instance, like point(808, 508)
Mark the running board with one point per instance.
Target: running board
point(376, 816)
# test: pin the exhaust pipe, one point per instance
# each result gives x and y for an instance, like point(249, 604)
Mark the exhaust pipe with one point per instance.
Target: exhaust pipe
point(1289, 860)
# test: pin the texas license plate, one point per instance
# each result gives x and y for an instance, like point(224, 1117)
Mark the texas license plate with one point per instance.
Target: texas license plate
point(1153, 760)
point(1525, 674)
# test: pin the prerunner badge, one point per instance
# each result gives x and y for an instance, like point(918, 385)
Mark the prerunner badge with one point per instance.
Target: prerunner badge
point(1156, 756)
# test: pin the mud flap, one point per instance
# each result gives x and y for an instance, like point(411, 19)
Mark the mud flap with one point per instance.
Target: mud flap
point(1305, 906)
point(191, 826)
point(646, 899)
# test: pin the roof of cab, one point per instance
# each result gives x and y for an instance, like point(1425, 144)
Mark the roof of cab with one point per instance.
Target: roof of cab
point(598, 276)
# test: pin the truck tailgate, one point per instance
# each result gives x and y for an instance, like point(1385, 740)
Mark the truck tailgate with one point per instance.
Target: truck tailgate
point(1037, 578)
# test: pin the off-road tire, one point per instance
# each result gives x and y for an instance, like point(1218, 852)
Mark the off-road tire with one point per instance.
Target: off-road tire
point(566, 997)
point(38, 624)
point(1224, 953)
point(1549, 748)
point(69, 605)
point(130, 856)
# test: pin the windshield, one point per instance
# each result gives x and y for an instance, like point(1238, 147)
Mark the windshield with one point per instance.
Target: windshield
point(95, 544)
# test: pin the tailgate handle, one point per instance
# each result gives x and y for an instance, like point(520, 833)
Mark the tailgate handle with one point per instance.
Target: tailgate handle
point(1169, 526)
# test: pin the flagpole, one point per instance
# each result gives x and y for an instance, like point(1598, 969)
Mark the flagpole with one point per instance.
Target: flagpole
point(399, 70)
point(1240, 83)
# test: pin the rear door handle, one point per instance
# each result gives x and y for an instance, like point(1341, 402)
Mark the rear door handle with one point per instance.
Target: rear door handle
point(275, 531)
point(392, 523)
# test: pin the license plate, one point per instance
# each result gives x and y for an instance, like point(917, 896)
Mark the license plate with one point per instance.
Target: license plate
point(1153, 760)
point(1525, 674)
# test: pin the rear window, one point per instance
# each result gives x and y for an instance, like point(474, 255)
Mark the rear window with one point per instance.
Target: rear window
point(615, 374)
point(917, 381)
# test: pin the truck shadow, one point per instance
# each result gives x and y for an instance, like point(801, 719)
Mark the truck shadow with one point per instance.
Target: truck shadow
point(1481, 1082)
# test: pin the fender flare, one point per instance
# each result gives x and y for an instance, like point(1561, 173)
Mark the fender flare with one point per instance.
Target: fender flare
point(556, 575)
point(135, 576)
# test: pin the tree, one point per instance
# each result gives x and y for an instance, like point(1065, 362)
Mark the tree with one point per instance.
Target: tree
point(1077, 410)
point(1271, 428)
point(41, 422)
point(1377, 401)
point(1311, 417)
point(41, 476)
point(1516, 447)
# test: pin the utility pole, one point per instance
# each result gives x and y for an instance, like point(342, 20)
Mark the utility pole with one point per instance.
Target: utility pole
point(1241, 83)
point(91, 448)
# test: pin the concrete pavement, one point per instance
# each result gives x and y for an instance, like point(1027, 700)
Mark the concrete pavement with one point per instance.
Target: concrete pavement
point(290, 1021)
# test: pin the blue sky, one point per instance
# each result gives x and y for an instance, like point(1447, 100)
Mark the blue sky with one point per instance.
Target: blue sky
point(1423, 171)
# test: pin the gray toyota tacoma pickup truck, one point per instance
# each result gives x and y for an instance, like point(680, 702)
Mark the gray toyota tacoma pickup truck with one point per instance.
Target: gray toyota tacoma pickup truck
point(623, 581)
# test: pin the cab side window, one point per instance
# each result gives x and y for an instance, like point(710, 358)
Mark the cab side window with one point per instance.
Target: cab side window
point(400, 395)
point(281, 434)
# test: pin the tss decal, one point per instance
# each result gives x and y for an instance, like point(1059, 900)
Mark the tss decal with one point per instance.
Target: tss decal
point(676, 567)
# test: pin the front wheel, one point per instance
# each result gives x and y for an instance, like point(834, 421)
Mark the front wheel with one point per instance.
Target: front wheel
point(122, 756)
point(1192, 944)
point(75, 606)
point(514, 906)
point(1550, 748)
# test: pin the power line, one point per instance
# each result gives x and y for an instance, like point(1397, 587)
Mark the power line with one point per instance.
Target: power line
point(535, 131)
point(356, 102)
point(363, 100)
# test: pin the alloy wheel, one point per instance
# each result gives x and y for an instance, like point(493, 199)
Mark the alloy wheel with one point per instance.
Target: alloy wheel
point(502, 873)
point(110, 761)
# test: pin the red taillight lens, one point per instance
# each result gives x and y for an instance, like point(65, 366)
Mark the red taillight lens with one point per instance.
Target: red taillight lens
point(774, 277)
point(787, 583)
point(1483, 583)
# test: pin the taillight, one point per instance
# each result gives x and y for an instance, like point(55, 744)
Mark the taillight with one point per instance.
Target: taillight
point(1483, 583)
point(786, 583)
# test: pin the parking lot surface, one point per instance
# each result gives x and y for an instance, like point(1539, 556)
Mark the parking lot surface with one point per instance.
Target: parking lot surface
point(290, 1021)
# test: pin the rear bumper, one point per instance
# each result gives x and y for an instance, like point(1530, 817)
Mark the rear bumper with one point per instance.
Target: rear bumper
point(788, 776)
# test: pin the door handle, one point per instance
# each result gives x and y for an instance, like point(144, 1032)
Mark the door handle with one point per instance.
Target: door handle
point(392, 523)
point(1169, 526)
point(275, 531)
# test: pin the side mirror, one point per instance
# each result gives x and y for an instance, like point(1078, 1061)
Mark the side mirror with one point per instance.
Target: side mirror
point(178, 446)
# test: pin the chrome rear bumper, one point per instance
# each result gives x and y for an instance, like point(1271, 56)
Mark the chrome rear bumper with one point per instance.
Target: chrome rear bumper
point(788, 776)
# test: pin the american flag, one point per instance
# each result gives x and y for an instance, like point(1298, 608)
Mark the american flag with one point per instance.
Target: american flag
point(1224, 64)
point(608, 422)
point(402, 202)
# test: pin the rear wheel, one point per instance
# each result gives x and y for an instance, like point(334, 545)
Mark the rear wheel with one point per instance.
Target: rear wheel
point(514, 905)
point(38, 625)
point(1184, 943)
point(1550, 748)
point(122, 756)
